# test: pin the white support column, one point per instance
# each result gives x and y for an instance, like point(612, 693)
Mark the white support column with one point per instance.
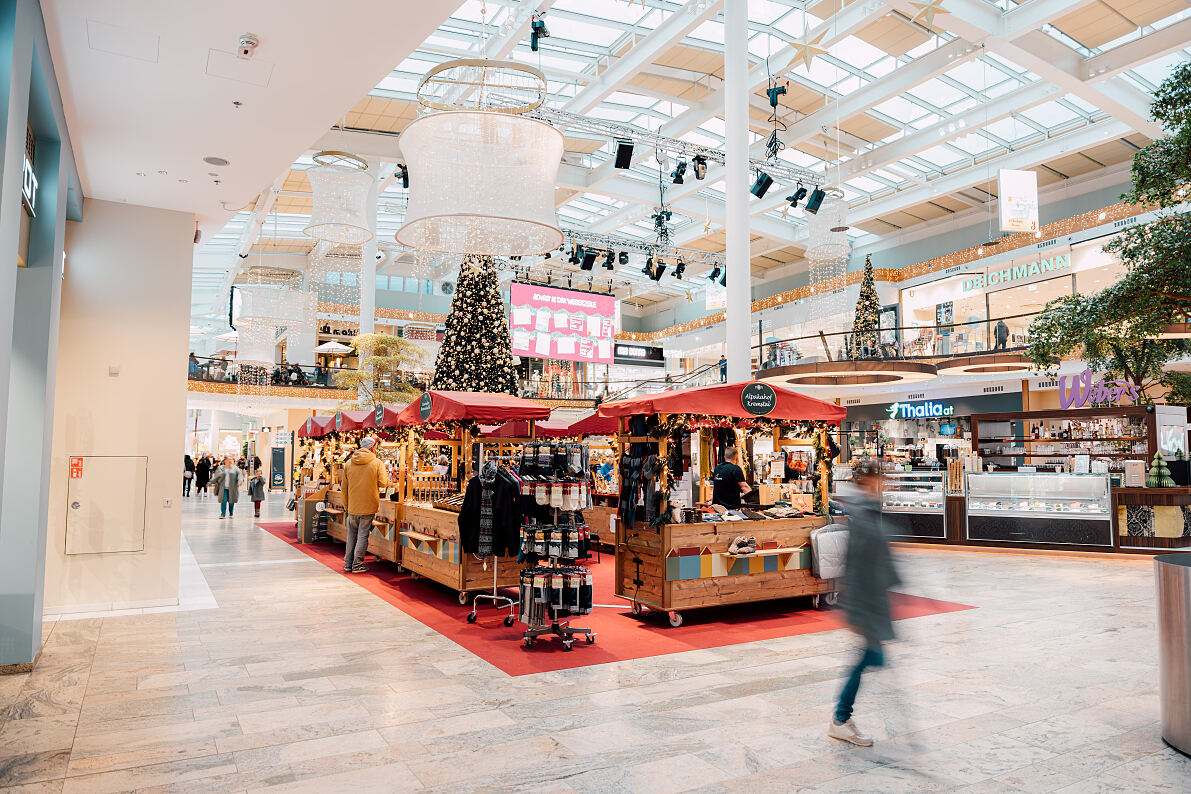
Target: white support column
point(368, 265)
point(736, 186)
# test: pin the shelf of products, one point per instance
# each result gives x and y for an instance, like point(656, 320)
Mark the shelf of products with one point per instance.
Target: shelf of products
point(1021, 507)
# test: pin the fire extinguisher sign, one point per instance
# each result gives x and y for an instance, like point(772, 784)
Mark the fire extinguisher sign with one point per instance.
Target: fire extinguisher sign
point(76, 468)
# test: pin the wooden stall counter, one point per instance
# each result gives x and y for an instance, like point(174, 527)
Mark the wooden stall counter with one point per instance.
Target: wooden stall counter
point(678, 567)
point(384, 540)
point(1153, 518)
point(430, 547)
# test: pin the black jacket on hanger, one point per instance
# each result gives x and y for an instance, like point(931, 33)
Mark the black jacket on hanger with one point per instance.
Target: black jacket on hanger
point(506, 517)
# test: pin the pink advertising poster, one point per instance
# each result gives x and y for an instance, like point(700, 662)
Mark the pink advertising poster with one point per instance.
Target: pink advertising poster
point(547, 322)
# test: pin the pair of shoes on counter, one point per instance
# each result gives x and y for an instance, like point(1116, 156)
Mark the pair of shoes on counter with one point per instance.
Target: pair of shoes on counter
point(742, 546)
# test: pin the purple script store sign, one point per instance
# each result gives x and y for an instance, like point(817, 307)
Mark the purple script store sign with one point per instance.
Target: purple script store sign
point(1084, 388)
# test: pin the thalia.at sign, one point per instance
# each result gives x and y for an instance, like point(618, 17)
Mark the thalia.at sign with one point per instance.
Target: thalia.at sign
point(1085, 387)
point(919, 410)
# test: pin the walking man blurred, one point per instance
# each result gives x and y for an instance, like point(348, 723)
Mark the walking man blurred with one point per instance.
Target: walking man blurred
point(868, 575)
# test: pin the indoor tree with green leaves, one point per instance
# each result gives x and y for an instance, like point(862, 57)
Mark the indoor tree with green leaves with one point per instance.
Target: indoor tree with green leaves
point(377, 379)
point(1117, 329)
point(476, 352)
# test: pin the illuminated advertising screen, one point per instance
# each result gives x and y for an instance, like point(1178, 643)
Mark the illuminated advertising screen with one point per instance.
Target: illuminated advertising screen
point(560, 323)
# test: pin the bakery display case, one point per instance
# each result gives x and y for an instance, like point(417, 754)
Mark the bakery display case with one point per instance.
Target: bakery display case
point(1039, 507)
point(912, 504)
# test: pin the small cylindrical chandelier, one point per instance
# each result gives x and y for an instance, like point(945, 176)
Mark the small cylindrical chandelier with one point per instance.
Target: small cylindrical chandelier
point(340, 184)
point(482, 174)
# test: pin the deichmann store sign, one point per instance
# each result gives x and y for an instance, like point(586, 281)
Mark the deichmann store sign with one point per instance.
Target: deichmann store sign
point(1006, 275)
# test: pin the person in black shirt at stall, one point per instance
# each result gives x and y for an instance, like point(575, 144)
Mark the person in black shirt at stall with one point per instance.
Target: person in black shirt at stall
point(728, 483)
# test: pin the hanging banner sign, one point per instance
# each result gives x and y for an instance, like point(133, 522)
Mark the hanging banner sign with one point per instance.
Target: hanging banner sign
point(380, 413)
point(1018, 199)
point(759, 399)
point(1085, 388)
point(424, 407)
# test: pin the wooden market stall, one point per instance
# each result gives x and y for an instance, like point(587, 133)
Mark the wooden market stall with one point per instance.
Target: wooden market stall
point(601, 516)
point(429, 535)
point(680, 561)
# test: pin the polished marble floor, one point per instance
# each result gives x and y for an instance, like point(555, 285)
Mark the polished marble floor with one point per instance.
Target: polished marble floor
point(288, 677)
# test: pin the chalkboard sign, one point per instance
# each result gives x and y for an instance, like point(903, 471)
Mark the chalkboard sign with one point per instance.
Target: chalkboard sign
point(277, 475)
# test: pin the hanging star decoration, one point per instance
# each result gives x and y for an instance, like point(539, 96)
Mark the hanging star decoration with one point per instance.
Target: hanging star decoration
point(807, 49)
point(927, 10)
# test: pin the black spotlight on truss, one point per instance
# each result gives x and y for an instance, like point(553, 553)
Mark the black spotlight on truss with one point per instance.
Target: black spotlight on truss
point(797, 196)
point(576, 252)
point(813, 203)
point(715, 272)
point(761, 186)
point(724, 278)
point(624, 258)
point(589, 258)
point(610, 261)
point(547, 256)
point(648, 269)
point(624, 154)
point(658, 271)
point(679, 269)
point(679, 170)
point(402, 173)
point(537, 31)
point(700, 166)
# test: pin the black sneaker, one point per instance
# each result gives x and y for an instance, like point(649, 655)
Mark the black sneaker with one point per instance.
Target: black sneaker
point(359, 569)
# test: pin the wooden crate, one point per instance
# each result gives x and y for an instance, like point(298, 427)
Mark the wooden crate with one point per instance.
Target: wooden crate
point(685, 566)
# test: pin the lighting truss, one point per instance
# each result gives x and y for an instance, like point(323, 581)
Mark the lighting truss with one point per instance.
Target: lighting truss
point(776, 168)
point(607, 242)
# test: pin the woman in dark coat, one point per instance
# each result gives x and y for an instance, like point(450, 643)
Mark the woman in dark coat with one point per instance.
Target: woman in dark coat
point(187, 475)
point(868, 575)
point(202, 475)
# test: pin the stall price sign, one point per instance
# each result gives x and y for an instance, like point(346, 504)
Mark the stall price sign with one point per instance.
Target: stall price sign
point(76, 468)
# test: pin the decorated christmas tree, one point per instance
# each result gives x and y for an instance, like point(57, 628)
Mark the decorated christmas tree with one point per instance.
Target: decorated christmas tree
point(476, 353)
point(1159, 473)
point(868, 315)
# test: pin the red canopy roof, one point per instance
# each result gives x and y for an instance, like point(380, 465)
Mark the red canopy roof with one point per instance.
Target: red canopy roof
point(390, 417)
point(520, 429)
point(315, 426)
point(343, 421)
point(594, 425)
point(726, 399)
point(446, 406)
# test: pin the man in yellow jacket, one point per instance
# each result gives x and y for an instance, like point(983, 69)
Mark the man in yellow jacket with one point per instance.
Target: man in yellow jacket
point(363, 477)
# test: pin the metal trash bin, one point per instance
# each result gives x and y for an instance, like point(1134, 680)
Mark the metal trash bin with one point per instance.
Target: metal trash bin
point(1172, 574)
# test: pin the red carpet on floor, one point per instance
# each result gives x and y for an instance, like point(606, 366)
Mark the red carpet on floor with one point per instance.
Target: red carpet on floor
point(621, 636)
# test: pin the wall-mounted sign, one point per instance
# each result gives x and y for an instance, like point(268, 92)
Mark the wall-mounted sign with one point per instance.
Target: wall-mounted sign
point(944, 315)
point(1084, 388)
point(424, 406)
point(926, 410)
point(1016, 272)
point(29, 188)
point(759, 399)
point(1018, 200)
point(641, 355)
point(76, 468)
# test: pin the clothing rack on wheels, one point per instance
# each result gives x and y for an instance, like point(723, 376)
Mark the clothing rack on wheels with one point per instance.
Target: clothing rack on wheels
point(498, 601)
point(555, 482)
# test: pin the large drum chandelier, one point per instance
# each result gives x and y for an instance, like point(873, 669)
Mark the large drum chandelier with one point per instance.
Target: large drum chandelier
point(827, 254)
point(482, 174)
point(340, 183)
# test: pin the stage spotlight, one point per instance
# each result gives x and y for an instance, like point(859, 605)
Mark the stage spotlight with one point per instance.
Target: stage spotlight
point(610, 261)
point(679, 170)
point(724, 278)
point(700, 166)
point(589, 258)
point(715, 272)
point(798, 196)
point(679, 269)
point(537, 31)
point(624, 257)
point(624, 154)
point(816, 199)
point(402, 174)
point(547, 256)
point(658, 271)
point(576, 252)
point(648, 269)
point(761, 186)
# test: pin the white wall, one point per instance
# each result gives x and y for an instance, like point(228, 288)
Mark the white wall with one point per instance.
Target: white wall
point(125, 302)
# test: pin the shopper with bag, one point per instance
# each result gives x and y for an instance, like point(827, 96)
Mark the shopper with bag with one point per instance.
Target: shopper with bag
point(868, 576)
point(363, 477)
point(187, 475)
point(202, 475)
point(226, 485)
point(256, 492)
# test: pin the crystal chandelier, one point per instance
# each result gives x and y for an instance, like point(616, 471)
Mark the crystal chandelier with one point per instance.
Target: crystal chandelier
point(482, 174)
point(340, 184)
point(827, 253)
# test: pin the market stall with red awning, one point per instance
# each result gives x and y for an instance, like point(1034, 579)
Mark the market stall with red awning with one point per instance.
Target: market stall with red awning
point(594, 425)
point(520, 429)
point(744, 400)
point(315, 426)
point(464, 406)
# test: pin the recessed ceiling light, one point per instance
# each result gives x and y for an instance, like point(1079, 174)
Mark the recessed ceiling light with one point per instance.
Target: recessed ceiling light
point(140, 173)
point(183, 181)
point(218, 161)
point(162, 172)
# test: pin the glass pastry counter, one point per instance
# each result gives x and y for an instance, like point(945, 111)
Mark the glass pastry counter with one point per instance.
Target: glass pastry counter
point(912, 504)
point(1039, 507)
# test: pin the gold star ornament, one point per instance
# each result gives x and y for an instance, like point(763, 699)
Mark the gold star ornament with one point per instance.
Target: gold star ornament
point(927, 10)
point(807, 49)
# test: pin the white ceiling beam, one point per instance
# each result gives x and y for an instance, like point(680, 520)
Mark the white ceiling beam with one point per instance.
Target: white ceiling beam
point(1036, 13)
point(1139, 51)
point(1042, 55)
point(671, 31)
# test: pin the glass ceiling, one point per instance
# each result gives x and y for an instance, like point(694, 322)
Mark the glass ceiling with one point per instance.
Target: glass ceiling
point(586, 37)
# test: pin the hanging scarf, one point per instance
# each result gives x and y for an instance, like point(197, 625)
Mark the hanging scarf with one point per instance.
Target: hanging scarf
point(487, 514)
